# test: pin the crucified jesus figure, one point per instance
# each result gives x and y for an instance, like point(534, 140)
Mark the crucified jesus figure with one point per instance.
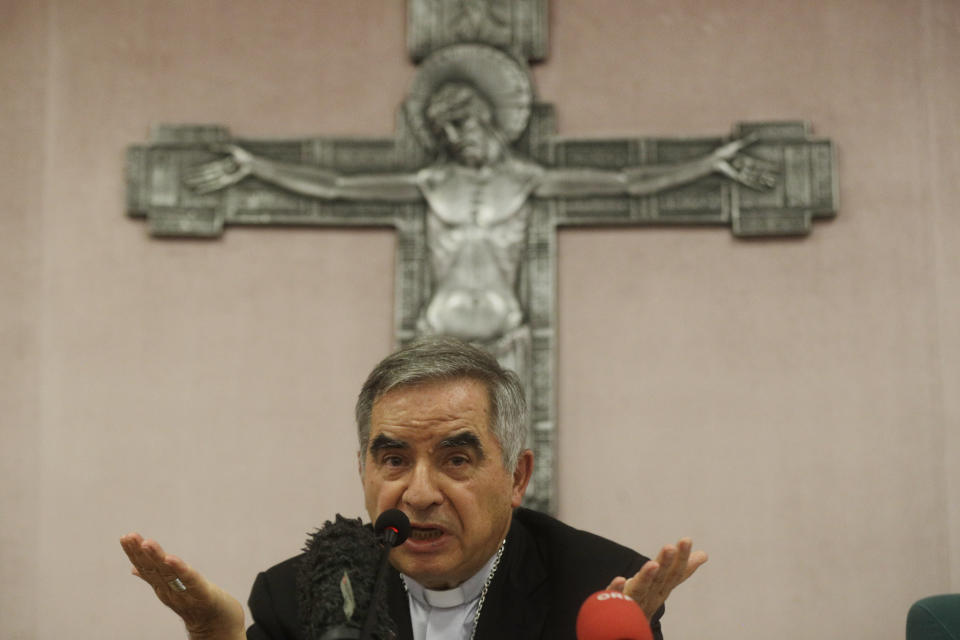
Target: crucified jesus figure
point(478, 192)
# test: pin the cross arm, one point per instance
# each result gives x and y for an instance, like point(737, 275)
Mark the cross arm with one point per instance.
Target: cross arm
point(804, 184)
point(634, 181)
point(161, 185)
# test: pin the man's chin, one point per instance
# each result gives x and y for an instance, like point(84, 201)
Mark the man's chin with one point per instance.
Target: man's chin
point(434, 570)
point(432, 577)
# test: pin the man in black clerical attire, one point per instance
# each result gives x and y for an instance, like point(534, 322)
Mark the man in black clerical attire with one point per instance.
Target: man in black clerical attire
point(441, 427)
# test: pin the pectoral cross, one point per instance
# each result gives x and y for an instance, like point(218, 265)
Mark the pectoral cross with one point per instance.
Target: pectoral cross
point(476, 184)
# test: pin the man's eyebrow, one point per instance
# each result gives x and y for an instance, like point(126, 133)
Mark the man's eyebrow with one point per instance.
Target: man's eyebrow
point(464, 439)
point(382, 442)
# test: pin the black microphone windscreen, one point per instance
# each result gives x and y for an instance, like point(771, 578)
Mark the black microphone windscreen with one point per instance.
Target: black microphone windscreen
point(327, 602)
point(396, 520)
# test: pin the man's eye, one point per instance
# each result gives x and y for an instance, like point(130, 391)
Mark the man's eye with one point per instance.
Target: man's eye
point(393, 461)
point(459, 461)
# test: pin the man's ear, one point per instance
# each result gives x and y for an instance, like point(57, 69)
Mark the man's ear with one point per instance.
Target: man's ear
point(360, 463)
point(521, 476)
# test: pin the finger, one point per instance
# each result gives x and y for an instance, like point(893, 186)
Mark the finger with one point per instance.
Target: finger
point(677, 569)
point(222, 182)
point(138, 565)
point(667, 554)
point(131, 546)
point(617, 584)
point(638, 587)
point(687, 562)
point(200, 184)
point(757, 182)
point(665, 559)
point(752, 168)
point(208, 171)
point(176, 583)
point(129, 542)
point(196, 181)
point(190, 577)
point(151, 564)
point(144, 568)
point(697, 560)
point(760, 165)
point(155, 563)
point(214, 184)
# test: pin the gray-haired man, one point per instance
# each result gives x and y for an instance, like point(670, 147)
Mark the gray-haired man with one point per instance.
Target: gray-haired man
point(441, 428)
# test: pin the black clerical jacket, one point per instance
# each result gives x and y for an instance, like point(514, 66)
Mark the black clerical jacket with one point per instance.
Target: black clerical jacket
point(548, 569)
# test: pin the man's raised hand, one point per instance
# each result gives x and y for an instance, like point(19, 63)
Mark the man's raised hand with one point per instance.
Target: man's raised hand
point(209, 612)
point(650, 586)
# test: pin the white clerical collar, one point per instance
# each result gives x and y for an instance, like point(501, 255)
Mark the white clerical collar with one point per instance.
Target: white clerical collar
point(464, 593)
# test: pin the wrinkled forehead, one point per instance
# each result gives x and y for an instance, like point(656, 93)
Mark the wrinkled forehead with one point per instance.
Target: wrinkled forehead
point(449, 400)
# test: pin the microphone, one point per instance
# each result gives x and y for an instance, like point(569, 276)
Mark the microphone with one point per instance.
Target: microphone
point(611, 615)
point(335, 582)
point(393, 526)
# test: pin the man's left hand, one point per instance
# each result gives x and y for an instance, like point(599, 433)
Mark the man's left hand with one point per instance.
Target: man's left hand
point(650, 586)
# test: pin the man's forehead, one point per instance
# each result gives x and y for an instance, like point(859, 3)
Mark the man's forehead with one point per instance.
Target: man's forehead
point(426, 391)
point(433, 410)
point(442, 405)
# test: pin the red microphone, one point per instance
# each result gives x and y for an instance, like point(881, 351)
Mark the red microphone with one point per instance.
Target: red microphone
point(610, 615)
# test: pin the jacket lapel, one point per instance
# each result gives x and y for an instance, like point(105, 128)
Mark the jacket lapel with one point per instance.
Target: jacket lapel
point(398, 606)
point(518, 599)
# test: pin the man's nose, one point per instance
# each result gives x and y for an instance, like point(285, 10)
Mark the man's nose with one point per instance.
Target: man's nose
point(452, 134)
point(422, 491)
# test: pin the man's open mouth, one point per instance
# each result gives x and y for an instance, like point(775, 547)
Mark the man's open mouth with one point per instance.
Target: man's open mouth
point(425, 533)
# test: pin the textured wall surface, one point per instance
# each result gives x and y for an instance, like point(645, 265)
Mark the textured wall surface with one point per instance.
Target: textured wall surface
point(791, 404)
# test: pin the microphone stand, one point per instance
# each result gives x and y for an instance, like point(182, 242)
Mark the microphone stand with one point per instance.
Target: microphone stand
point(390, 535)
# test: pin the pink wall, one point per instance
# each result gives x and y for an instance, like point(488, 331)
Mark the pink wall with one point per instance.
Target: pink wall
point(793, 405)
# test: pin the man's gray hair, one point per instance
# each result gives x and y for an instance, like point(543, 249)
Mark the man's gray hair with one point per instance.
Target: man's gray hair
point(440, 358)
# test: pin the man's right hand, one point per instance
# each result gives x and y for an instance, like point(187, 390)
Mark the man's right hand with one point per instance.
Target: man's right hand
point(209, 612)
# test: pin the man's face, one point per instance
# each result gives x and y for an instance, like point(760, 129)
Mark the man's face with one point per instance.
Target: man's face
point(468, 140)
point(432, 455)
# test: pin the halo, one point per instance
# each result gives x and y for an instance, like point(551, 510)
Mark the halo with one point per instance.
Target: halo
point(502, 80)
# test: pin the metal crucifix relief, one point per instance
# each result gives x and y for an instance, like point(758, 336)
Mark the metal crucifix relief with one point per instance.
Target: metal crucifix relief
point(476, 184)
